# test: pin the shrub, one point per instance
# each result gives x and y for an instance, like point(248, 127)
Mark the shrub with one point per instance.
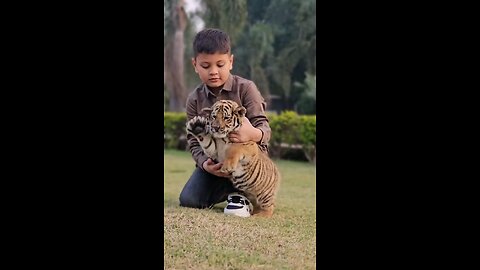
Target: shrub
point(174, 129)
point(284, 133)
point(290, 131)
point(308, 136)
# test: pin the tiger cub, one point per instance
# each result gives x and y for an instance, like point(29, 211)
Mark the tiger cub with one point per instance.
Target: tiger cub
point(251, 170)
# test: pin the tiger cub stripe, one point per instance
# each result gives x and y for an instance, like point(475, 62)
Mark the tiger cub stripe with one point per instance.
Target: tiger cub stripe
point(252, 171)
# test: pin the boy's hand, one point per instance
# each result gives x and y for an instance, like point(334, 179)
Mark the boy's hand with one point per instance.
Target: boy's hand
point(246, 133)
point(213, 168)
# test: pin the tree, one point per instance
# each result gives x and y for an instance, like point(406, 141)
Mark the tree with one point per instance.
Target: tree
point(294, 26)
point(308, 97)
point(277, 47)
point(228, 15)
point(255, 46)
point(176, 21)
point(274, 43)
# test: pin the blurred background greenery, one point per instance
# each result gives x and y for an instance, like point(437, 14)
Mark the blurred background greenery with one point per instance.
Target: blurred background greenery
point(273, 42)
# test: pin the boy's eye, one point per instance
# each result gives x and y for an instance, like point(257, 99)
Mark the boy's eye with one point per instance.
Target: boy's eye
point(218, 65)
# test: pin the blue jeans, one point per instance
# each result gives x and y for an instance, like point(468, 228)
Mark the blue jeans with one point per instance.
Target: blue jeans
point(203, 190)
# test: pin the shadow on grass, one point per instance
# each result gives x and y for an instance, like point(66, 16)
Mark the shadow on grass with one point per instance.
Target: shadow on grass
point(218, 208)
point(171, 203)
point(174, 203)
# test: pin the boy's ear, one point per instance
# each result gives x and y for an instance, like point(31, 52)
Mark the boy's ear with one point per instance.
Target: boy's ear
point(194, 64)
point(206, 111)
point(241, 111)
point(231, 62)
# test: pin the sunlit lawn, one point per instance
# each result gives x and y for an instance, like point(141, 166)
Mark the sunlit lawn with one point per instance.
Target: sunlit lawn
point(208, 239)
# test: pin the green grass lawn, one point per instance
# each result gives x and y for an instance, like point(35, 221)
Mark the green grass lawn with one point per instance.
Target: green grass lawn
point(208, 239)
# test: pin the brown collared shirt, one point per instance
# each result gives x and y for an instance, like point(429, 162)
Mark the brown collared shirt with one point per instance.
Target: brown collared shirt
point(238, 89)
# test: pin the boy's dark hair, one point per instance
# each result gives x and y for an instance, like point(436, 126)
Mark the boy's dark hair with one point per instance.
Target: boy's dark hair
point(211, 41)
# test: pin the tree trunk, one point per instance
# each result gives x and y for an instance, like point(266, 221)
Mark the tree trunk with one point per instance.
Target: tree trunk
point(174, 58)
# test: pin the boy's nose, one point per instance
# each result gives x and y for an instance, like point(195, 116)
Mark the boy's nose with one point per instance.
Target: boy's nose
point(213, 71)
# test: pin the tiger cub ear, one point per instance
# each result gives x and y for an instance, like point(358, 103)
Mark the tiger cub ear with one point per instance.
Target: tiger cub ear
point(206, 111)
point(241, 111)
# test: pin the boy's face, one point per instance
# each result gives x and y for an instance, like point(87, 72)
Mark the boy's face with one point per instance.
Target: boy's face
point(213, 69)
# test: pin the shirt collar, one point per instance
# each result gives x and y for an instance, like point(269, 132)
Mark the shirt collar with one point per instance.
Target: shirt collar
point(227, 86)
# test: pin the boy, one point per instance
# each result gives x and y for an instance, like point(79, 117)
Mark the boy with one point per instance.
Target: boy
point(213, 61)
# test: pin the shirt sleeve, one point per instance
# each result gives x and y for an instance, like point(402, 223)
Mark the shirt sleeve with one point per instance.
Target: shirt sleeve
point(193, 145)
point(256, 106)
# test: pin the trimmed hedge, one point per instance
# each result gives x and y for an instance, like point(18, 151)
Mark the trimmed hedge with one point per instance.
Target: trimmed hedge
point(289, 131)
point(292, 130)
point(174, 129)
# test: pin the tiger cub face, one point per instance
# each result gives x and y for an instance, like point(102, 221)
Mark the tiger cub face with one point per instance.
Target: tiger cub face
point(224, 117)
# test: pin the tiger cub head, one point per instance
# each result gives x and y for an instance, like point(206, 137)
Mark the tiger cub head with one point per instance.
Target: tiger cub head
point(224, 117)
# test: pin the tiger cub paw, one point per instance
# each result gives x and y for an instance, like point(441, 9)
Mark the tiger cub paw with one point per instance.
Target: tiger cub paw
point(197, 126)
point(257, 212)
point(228, 166)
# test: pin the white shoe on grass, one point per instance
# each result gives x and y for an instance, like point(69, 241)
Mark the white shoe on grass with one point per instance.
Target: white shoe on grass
point(238, 205)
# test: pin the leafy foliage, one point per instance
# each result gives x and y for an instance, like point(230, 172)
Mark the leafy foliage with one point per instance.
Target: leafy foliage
point(174, 128)
point(308, 97)
point(229, 16)
point(293, 130)
point(274, 46)
point(252, 51)
point(288, 130)
point(308, 136)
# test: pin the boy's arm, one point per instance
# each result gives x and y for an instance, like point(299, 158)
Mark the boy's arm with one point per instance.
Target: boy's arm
point(255, 104)
point(193, 145)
